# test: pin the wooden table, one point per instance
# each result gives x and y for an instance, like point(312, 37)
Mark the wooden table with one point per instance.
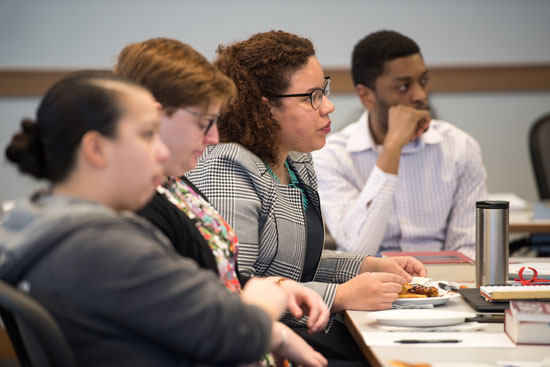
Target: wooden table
point(534, 227)
point(523, 222)
point(357, 322)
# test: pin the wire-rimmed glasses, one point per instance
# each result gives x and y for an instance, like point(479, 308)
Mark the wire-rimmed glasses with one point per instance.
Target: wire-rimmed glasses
point(315, 96)
point(212, 119)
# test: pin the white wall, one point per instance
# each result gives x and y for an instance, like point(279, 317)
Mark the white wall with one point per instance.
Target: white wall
point(89, 34)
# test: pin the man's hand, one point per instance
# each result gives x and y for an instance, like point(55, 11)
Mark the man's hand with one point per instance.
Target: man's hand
point(405, 123)
point(368, 291)
point(404, 266)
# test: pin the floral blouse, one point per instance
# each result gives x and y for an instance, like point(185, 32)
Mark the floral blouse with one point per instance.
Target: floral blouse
point(216, 231)
point(218, 234)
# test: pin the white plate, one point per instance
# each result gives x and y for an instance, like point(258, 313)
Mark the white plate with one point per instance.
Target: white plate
point(543, 270)
point(428, 300)
point(419, 317)
point(444, 295)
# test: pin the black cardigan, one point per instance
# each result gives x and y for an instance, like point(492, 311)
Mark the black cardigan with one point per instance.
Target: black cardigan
point(180, 229)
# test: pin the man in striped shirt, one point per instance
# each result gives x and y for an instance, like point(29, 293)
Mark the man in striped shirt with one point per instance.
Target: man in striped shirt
point(396, 179)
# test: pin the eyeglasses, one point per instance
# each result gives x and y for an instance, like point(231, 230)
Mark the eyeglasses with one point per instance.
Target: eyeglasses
point(315, 96)
point(212, 119)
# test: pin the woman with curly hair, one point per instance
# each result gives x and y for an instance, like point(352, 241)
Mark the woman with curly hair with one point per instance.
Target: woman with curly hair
point(261, 179)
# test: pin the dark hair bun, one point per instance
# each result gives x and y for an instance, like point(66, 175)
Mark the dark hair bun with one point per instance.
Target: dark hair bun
point(26, 151)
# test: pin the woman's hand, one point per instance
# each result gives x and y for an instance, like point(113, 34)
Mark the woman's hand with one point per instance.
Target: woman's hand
point(286, 344)
point(404, 266)
point(266, 294)
point(367, 292)
point(304, 301)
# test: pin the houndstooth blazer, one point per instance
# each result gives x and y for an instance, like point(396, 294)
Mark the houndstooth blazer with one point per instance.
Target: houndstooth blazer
point(268, 218)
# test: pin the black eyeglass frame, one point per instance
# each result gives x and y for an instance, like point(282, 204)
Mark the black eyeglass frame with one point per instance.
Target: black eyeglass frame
point(325, 90)
point(211, 120)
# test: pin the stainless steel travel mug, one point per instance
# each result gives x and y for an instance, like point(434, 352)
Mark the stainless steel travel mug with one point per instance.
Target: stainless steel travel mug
point(492, 248)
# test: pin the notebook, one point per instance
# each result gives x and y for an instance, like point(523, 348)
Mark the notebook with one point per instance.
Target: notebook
point(507, 292)
point(433, 257)
point(474, 299)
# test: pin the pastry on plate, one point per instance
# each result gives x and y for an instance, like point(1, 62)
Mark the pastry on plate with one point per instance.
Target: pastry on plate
point(418, 291)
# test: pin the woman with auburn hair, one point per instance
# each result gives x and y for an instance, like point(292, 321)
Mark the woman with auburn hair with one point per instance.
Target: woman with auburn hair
point(192, 93)
point(119, 292)
point(261, 179)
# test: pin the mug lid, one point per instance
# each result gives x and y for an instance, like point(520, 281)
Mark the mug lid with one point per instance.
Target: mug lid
point(493, 204)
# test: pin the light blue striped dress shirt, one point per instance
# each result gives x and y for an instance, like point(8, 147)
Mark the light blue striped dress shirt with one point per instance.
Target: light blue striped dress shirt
point(428, 206)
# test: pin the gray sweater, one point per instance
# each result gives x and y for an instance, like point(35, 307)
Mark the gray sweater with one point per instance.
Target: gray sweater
point(120, 294)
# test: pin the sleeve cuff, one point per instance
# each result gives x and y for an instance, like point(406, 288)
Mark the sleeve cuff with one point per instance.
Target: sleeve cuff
point(379, 182)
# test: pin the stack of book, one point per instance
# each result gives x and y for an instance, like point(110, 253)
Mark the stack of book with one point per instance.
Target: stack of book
point(502, 293)
point(528, 322)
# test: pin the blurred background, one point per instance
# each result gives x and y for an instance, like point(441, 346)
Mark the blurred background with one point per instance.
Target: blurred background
point(67, 35)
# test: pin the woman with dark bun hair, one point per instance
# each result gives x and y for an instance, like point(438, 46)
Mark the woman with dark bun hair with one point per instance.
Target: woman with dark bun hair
point(119, 292)
point(261, 179)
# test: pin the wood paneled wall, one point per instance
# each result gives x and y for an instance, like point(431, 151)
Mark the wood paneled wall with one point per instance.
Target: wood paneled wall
point(496, 78)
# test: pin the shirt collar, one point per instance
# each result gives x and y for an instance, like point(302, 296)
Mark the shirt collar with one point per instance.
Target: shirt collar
point(361, 138)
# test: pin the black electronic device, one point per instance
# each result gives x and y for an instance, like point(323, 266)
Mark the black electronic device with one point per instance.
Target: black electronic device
point(476, 300)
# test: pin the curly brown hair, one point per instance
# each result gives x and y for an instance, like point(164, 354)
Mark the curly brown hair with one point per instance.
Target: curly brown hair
point(261, 66)
point(175, 73)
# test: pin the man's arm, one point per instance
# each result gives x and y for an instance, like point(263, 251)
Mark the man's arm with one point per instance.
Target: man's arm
point(356, 216)
point(471, 187)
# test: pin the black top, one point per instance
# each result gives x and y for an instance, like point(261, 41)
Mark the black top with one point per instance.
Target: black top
point(180, 229)
point(315, 234)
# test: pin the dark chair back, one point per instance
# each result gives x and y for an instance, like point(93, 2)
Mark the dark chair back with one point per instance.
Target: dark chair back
point(539, 145)
point(35, 336)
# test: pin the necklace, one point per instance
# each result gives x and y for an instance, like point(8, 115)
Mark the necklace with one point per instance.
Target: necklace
point(293, 181)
